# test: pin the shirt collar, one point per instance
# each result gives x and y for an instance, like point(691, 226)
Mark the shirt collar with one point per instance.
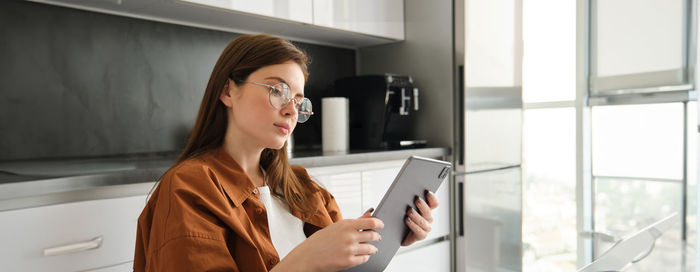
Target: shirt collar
point(239, 186)
point(235, 181)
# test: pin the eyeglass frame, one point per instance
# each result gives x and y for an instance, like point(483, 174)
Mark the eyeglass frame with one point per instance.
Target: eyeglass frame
point(297, 104)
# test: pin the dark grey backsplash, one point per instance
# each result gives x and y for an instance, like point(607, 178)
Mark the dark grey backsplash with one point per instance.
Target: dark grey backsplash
point(78, 84)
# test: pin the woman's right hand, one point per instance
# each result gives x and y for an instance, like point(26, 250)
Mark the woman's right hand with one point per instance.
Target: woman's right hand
point(338, 246)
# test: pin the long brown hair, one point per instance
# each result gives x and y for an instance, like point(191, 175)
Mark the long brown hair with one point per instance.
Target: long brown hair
point(243, 56)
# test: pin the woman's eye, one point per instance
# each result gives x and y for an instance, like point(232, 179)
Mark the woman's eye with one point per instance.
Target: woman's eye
point(276, 92)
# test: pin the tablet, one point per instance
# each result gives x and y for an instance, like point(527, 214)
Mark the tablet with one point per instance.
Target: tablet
point(417, 175)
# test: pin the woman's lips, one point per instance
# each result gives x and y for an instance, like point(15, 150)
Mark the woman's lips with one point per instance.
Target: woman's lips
point(284, 128)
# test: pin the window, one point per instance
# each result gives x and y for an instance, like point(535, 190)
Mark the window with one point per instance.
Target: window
point(549, 190)
point(638, 178)
point(549, 136)
point(638, 141)
point(549, 71)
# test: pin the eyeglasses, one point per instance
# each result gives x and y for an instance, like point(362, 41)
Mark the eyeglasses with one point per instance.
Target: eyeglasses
point(279, 97)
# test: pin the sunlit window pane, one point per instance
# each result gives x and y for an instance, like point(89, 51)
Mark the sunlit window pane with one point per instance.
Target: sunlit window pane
point(549, 70)
point(624, 206)
point(549, 199)
point(638, 141)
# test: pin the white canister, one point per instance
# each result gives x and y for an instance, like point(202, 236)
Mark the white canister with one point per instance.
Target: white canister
point(290, 145)
point(335, 124)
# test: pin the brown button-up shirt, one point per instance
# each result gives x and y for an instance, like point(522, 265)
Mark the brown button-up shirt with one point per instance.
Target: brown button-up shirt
point(206, 215)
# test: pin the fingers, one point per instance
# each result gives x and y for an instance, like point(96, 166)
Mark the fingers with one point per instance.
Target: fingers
point(432, 199)
point(425, 211)
point(361, 254)
point(419, 220)
point(367, 223)
point(418, 232)
point(358, 260)
point(367, 236)
point(364, 249)
point(367, 213)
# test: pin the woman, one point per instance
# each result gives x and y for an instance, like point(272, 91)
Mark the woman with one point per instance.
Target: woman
point(232, 202)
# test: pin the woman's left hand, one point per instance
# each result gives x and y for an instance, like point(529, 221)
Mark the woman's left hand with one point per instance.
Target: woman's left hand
point(420, 222)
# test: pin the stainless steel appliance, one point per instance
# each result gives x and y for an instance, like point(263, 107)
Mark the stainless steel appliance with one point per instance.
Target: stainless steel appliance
point(488, 124)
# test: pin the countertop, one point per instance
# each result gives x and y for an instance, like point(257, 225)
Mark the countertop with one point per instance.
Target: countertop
point(25, 184)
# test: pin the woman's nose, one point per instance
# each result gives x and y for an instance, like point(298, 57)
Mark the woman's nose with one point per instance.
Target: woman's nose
point(290, 108)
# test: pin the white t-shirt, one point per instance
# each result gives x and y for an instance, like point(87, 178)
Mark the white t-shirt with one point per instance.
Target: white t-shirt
point(286, 230)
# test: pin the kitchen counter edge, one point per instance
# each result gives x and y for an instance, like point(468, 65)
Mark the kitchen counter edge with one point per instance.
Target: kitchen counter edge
point(51, 191)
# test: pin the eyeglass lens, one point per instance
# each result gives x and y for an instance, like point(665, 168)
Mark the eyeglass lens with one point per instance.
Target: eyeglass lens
point(279, 97)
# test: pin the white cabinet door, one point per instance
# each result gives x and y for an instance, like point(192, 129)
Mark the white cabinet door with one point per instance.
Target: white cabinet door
point(434, 258)
point(293, 10)
point(128, 266)
point(384, 18)
point(346, 23)
point(346, 189)
point(375, 183)
point(345, 183)
point(27, 233)
point(261, 7)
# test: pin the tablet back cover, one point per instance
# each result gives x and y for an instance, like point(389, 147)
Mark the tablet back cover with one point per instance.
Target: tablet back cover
point(417, 175)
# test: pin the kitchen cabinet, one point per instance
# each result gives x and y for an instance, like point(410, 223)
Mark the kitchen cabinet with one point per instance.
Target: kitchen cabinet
point(73, 236)
point(382, 18)
point(347, 24)
point(293, 10)
point(375, 183)
point(346, 188)
point(434, 257)
point(345, 183)
point(127, 266)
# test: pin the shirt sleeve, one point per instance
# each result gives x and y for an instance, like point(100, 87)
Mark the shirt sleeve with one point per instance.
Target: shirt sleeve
point(332, 207)
point(191, 237)
point(328, 200)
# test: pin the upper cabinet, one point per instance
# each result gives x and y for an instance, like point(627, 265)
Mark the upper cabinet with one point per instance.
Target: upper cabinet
point(292, 10)
point(382, 18)
point(341, 23)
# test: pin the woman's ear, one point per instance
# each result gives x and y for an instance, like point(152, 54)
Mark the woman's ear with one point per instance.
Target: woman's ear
point(225, 96)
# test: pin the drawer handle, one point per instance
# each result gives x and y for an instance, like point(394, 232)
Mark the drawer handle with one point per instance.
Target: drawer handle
point(73, 248)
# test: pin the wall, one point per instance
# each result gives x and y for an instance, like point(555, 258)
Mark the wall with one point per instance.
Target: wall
point(77, 83)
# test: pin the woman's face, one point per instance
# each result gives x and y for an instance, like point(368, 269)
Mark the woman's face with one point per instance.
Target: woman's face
point(251, 113)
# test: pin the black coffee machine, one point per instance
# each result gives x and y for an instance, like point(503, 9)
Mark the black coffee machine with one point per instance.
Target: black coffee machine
point(382, 109)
